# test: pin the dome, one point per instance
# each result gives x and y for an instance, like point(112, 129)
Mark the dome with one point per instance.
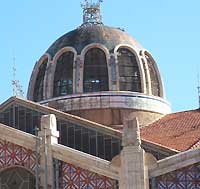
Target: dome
point(82, 36)
point(97, 69)
point(135, 65)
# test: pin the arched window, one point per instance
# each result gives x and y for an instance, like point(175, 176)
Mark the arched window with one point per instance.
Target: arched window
point(39, 84)
point(129, 75)
point(17, 178)
point(95, 71)
point(155, 86)
point(63, 78)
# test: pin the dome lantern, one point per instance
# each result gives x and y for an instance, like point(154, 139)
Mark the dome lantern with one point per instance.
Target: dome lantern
point(92, 12)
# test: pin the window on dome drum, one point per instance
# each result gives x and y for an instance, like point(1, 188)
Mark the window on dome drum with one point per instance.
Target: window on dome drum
point(63, 78)
point(129, 75)
point(155, 85)
point(95, 71)
point(39, 84)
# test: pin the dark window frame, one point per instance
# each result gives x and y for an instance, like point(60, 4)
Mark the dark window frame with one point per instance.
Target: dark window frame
point(39, 83)
point(129, 73)
point(154, 79)
point(63, 77)
point(78, 136)
point(95, 74)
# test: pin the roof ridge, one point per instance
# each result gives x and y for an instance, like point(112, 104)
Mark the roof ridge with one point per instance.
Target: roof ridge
point(198, 109)
point(167, 115)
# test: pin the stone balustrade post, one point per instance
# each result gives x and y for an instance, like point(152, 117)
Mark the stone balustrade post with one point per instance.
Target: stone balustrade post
point(49, 135)
point(133, 173)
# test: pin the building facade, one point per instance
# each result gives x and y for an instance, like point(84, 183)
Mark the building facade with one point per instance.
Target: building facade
point(97, 117)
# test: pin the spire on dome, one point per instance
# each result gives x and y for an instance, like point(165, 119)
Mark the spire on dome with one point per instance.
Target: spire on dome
point(92, 12)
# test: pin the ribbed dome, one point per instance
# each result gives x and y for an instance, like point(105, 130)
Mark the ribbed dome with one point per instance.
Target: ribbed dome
point(112, 60)
point(97, 69)
point(82, 36)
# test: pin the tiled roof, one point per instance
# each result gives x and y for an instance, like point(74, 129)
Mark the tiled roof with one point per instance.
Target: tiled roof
point(180, 131)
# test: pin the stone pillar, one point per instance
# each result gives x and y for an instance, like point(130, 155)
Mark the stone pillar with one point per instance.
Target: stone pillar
point(79, 75)
point(133, 174)
point(48, 80)
point(49, 135)
point(113, 76)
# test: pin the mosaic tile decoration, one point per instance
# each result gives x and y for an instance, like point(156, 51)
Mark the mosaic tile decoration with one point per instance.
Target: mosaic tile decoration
point(75, 178)
point(15, 155)
point(186, 178)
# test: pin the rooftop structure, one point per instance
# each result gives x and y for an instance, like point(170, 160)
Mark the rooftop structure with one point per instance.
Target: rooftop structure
point(92, 12)
point(96, 117)
point(99, 70)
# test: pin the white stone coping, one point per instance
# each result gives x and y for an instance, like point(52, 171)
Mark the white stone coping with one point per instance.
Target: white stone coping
point(175, 162)
point(61, 152)
point(17, 137)
point(112, 99)
point(85, 161)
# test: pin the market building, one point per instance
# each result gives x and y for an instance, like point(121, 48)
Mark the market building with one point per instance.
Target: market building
point(97, 117)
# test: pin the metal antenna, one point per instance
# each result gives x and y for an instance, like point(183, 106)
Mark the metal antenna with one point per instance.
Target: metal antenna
point(14, 78)
point(91, 12)
point(17, 88)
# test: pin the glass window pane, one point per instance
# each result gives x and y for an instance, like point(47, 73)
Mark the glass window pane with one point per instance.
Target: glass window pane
point(77, 138)
point(129, 75)
point(71, 136)
point(38, 89)
point(115, 147)
point(64, 133)
point(63, 78)
point(95, 71)
point(155, 86)
point(108, 146)
point(85, 140)
point(100, 146)
point(74, 135)
point(93, 140)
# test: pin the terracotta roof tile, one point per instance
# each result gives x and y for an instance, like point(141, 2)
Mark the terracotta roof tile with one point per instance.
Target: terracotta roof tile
point(180, 131)
point(196, 145)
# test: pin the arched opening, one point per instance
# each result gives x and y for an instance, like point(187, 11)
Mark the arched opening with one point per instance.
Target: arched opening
point(17, 178)
point(129, 75)
point(39, 84)
point(63, 78)
point(95, 71)
point(155, 84)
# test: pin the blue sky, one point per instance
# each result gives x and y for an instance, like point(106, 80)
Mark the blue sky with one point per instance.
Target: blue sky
point(169, 29)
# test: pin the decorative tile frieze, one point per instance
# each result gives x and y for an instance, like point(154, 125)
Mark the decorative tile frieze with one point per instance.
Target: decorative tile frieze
point(77, 178)
point(14, 155)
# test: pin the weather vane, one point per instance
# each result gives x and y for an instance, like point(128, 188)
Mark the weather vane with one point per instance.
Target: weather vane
point(92, 12)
